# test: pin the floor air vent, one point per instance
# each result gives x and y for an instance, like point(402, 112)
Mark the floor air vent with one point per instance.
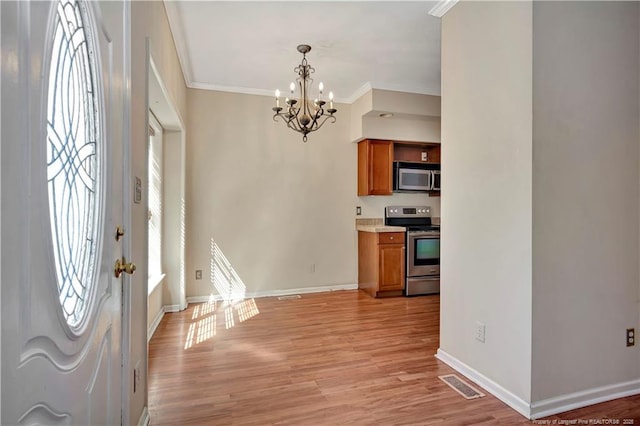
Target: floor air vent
point(291, 297)
point(460, 386)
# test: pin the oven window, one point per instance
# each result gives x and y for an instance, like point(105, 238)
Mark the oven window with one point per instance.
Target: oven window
point(427, 251)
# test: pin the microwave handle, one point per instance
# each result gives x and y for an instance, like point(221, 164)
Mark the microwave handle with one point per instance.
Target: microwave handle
point(434, 174)
point(430, 181)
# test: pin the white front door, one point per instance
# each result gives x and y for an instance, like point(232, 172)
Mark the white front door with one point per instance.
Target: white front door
point(64, 95)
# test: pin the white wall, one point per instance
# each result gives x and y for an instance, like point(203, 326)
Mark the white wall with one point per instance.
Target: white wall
point(148, 22)
point(486, 206)
point(273, 204)
point(585, 195)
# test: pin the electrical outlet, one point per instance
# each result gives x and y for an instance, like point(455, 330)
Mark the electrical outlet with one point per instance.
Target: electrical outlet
point(198, 274)
point(358, 211)
point(631, 336)
point(480, 331)
point(423, 157)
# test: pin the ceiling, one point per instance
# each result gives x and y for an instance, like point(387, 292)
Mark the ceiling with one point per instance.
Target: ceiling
point(250, 47)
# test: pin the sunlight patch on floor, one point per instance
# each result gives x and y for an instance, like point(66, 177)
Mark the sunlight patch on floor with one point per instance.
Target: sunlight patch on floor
point(208, 317)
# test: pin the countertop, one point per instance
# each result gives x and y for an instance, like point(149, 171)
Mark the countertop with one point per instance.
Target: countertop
point(380, 228)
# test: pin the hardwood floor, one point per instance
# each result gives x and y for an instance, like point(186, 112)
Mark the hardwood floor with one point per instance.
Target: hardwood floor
point(340, 358)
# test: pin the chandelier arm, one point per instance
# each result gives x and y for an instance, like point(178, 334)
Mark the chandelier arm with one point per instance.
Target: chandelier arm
point(319, 114)
point(326, 117)
point(294, 123)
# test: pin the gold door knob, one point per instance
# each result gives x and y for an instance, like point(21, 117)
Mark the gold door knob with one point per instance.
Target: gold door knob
point(122, 266)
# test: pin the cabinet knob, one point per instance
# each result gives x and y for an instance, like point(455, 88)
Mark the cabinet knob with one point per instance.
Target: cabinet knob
point(391, 238)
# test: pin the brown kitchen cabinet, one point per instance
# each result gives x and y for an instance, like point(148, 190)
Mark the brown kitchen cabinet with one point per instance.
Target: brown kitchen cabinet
point(381, 269)
point(375, 167)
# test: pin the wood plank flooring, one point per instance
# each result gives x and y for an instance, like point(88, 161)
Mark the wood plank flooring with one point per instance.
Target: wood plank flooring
point(339, 358)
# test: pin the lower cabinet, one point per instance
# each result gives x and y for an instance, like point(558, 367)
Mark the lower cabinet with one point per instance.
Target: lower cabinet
point(381, 270)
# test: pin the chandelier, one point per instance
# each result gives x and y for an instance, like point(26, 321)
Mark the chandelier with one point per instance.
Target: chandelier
point(304, 115)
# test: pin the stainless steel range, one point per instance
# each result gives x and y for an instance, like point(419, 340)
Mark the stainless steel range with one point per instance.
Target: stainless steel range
point(423, 248)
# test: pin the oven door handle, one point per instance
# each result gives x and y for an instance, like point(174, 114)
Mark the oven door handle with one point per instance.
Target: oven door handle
point(421, 234)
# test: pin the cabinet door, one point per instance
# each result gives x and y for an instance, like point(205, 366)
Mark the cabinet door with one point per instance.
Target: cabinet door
point(375, 167)
point(381, 167)
point(391, 267)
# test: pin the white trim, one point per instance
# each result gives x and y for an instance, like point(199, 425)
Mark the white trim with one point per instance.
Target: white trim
point(171, 308)
point(203, 299)
point(272, 293)
point(126, 343)
point(156, 322)
point(231, 89)
point(246, 90)
point(349, 100)
point(513, 401)
point(442, 7)
point(572, 401)
point(144, 417)
point(175, 26)
point(359, 93)
point(546, 407)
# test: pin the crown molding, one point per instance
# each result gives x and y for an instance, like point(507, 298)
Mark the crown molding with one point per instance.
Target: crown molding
point(175, 26)
point(442, 7)
point(358, 93)
point(248, 91)
point(351, 99)
point(231, 89)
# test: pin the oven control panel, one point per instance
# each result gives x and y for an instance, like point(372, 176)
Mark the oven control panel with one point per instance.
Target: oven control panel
point(408, 211)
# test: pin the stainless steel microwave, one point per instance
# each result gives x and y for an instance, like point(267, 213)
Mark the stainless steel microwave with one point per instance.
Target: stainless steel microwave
point(416, 177)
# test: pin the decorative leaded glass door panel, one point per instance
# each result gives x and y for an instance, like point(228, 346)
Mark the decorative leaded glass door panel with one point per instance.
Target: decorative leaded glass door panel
point(63, 108)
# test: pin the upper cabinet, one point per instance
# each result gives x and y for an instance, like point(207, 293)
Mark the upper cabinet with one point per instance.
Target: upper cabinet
point(375, 163)
point(375, 167)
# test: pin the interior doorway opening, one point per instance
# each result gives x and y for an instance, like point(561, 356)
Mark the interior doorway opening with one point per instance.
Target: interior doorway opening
point(165, 203)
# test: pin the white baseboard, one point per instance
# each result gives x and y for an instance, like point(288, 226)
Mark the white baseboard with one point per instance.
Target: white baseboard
point(513, 401)
point(156, 322)
point(572, 401)
point(202, 299)
point(144, 417)
point(171, 308)
point(546, 407)
point(272, 293)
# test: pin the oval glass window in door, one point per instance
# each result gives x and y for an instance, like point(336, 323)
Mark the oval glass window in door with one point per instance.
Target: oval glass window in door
point(73, 160)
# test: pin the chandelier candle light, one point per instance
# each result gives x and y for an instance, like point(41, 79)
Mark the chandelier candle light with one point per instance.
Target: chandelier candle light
point(303, 115)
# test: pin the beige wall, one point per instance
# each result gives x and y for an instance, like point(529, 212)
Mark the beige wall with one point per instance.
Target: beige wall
point(416, 117)
point(405, 103)
point(585, 195)
point(148, 22)
point(359, 107)
point(550, 119)
point(486, 210)
point(274, 205)
point(422, 129)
